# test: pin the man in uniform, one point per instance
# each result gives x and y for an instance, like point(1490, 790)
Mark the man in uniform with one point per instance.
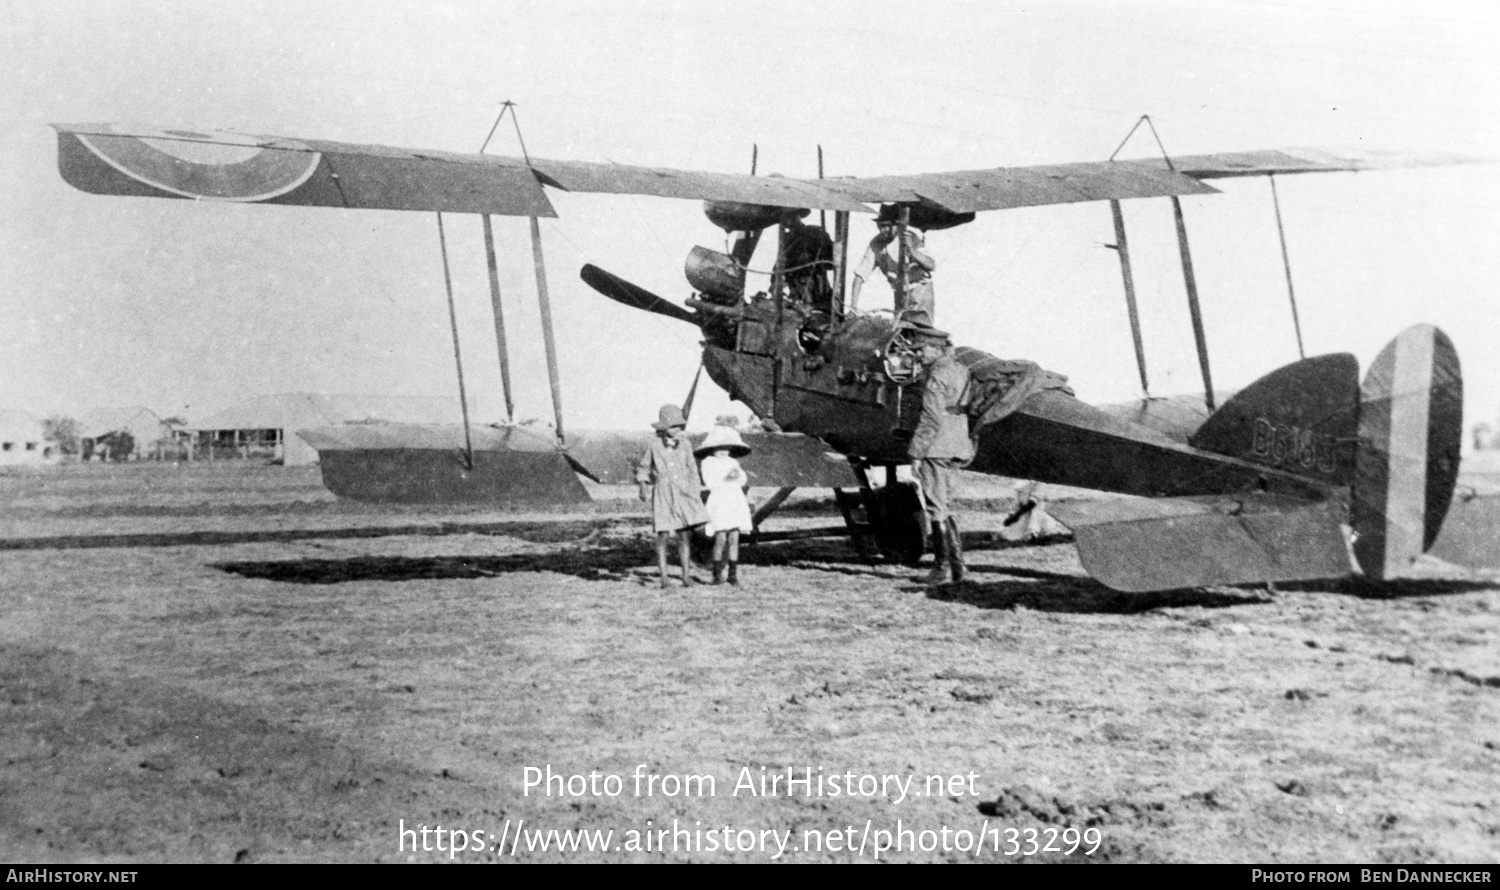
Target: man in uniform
point(916, 305)
point(941, 444)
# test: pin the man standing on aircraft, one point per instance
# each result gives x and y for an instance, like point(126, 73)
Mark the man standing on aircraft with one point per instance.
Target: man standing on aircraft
point(916, 305)
point(807, 258)
point(940, 445)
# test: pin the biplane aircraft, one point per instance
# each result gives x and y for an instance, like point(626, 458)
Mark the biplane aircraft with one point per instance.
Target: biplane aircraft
point(1308, 473)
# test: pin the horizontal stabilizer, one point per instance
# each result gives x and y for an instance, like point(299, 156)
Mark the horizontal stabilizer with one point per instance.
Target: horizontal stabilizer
point(1136, 545)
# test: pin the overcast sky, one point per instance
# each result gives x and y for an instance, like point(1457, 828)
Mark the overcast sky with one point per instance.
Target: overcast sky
point(187, 307)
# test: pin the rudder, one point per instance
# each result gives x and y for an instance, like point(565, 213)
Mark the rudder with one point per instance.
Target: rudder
point(1410, 432)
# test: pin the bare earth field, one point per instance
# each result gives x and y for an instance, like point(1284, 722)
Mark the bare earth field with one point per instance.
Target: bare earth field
point(226, 664)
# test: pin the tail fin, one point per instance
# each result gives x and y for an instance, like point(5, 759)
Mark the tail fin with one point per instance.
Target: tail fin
point(1410, 430)
point(1301, 418)
point(1393, 440)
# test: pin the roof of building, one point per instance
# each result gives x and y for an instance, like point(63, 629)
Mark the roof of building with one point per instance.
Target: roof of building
point(96, 422)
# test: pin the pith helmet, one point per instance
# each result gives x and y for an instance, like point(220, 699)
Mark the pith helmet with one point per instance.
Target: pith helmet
point(668, 417)
point(723, 437)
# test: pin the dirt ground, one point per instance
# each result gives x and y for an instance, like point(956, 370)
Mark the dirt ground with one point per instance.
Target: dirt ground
point(226, 664)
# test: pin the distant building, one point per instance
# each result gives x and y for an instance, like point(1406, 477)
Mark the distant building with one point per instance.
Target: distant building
point(266, 426)
point(22, 442)
point(145, 434)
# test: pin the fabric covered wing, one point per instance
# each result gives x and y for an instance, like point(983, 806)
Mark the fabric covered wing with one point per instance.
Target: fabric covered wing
point(127, 160)
point(626, 179)
point(113, 160)
point(1308, 160)
point(1003, 188)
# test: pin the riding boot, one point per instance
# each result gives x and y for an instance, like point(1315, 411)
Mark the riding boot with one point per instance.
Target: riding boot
point(718, 571)
point(734, 574)
point(942, 570)
point(955, 549)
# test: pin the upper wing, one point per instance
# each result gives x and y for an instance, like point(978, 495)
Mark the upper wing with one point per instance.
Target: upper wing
point(112, 159)
point(1309, 160)
point(107, 159)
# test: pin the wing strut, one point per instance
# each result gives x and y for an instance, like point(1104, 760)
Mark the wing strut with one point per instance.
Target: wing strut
point(489, 254)
point(548, 340)
point(1191, 284)
point(1286, 264)
point(840, 260)
point(458, 358)
point(1123, 249)
point(840, 249)
point(1188, 280)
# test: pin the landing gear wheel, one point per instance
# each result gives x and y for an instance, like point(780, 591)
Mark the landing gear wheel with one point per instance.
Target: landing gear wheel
point(901, 529)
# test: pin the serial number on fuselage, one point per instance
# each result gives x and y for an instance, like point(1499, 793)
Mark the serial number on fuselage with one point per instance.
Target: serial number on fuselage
point(1294, 446)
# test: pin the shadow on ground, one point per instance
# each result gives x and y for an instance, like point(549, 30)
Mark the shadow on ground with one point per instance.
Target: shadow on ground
point(592, 564)
point(607, 560)
point(1054, 592)
point(1399, 588)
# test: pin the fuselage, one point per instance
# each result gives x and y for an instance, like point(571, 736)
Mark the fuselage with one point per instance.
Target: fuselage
point(855, 385)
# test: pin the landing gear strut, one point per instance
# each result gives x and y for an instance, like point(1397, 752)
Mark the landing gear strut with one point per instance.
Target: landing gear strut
point(886, 522)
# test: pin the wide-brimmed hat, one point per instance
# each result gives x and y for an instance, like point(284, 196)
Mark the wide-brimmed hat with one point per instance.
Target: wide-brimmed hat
point(889, 213)
point(668, 417)
point(721, 437)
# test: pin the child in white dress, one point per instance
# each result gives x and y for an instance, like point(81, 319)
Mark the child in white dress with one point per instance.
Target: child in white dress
point(728, 510)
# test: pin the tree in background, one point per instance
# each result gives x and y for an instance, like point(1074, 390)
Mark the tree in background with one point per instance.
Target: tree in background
point(120, 445)
point(62, 432)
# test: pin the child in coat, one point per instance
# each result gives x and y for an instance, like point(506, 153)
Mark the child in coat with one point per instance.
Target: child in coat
point(728, 510)
point(669, 480)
